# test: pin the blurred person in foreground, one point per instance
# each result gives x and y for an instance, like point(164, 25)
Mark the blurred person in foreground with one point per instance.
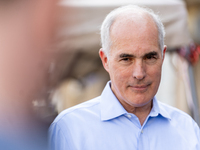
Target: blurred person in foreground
point(127, 115)
point(26, 53)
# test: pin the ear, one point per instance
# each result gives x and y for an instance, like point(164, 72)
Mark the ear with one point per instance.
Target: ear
point(104, 59)
point(165, 48)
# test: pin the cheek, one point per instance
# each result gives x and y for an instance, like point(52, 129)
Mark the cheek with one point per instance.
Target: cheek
point(121, 73)
point(155, 74)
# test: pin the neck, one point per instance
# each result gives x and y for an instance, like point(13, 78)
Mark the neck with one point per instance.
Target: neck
point(141, 112)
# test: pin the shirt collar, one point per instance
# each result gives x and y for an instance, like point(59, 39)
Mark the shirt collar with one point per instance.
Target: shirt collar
point(112, 108)
point(158, 110)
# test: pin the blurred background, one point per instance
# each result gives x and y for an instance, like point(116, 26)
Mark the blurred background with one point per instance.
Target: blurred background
point(49, 61)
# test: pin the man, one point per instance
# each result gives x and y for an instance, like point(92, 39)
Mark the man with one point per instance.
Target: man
point(127, 115)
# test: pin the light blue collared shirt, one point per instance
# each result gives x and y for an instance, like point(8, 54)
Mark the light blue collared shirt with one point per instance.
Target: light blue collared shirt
point(103, 124)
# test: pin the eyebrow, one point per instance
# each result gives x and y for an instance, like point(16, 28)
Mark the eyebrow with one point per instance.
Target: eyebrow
point(151, 54)
point(124, 55)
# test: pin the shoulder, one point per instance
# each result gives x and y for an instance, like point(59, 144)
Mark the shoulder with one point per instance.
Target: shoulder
point(81, 110)
point(173, 112)
point(177, 115)
point(182, 123)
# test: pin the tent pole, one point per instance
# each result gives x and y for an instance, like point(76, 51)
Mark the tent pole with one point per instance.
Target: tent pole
point(195, 110)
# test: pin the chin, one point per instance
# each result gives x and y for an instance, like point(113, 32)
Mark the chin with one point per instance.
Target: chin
point(141, 103)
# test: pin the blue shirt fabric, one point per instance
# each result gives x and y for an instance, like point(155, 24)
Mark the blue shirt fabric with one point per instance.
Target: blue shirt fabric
point(103, 124)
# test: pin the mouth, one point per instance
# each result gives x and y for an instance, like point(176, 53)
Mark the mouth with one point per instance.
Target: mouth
point(140, 88)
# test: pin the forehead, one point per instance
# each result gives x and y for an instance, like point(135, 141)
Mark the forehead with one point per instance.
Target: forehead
point(133, 33)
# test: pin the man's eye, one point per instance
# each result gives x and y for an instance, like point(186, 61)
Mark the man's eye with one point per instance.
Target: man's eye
point(125, 59)
point(150, 59)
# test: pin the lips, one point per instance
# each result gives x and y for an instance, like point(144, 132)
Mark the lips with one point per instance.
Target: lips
point(140, 88)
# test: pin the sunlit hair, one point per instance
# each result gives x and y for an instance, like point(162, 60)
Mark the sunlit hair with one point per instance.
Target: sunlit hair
point(111, 17)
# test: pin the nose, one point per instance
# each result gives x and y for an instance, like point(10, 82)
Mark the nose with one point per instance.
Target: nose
point(139, 71)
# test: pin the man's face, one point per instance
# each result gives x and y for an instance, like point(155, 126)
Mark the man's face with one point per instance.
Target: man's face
point(135, 62)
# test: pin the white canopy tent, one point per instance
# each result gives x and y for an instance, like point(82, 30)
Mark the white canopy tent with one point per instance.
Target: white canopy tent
point(80, 21)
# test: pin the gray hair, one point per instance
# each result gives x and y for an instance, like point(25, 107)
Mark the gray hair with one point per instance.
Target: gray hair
point(111, 17)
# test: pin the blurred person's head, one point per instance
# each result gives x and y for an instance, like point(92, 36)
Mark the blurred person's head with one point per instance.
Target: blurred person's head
point(26, 52)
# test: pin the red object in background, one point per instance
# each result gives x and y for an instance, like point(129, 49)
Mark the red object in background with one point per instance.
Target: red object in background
point(190, 53)
point(194, 54)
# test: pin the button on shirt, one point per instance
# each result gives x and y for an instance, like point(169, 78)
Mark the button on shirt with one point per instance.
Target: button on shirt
point(103, 124)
